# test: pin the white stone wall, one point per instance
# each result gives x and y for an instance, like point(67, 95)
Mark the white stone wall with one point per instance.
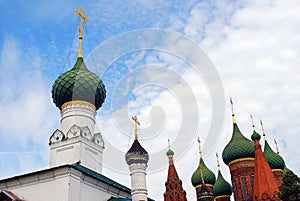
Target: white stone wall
point(80, 115)
point(77, 149)
point(76, 141)
point(61, 184)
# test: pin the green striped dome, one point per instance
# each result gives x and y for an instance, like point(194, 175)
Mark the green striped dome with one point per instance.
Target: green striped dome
point(208, 175)
point(222, 187)
point(238, 147)
point(274, 159)
point(78, 84)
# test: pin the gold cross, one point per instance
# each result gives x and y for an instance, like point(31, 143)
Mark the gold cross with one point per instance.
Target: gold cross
point(252, 120)
point(232, 112)
point(263, 130)
point(136, 124)
point(83, 17)
point(218, 160)
point(277, 150)
point(200, 150)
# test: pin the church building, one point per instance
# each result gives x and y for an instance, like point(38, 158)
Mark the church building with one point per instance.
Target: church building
point(76, 156)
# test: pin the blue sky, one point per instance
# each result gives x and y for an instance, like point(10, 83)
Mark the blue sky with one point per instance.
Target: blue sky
point(254, 47)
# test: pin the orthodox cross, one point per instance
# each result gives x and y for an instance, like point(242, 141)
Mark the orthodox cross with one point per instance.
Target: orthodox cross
point(253, 126)
point(233, 116)
point(199, 144)
point(136, 124)
point(218, 163)
point(263, 130)
point(83, 18)
point(277, 150)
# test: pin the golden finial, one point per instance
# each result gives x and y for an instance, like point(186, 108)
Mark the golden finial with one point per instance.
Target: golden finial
point(252, 120)
point(83, 18)
point(218, 162)
point(233, 116)
point(263, 130)
point(201, 173)
point(136, 124)
point(169, 146)
point(199, 144)
point(277, 150)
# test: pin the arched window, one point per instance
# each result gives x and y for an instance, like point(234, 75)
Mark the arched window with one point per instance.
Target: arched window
point(244, 188)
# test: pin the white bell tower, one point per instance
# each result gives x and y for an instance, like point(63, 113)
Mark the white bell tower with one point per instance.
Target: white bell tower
point(78, 93)
point(137, 159)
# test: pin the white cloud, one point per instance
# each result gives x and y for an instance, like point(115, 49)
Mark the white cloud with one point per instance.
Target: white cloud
point(254, 46)
point(26, 117)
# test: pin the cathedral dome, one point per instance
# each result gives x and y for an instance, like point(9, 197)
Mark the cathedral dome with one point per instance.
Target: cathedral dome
point(238, 147)
point(136, 154)
point(274, 159)
point(208, 175)
point(222, 187)
point(78, 84)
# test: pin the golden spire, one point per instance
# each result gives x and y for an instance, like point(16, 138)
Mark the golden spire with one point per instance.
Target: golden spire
point(169, 146)
point(253, 126)
point(199, 144)
point(136, 124)
point(263, 130)
point(83, 18)
point(277, 150)
point(233, 116)
point(201, 173)
point(218, 163)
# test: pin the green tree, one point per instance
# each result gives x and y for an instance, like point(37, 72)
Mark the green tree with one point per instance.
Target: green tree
point(290, 187)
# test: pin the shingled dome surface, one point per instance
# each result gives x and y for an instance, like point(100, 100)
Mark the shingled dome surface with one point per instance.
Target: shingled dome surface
point(238, 147)
point(78, 84)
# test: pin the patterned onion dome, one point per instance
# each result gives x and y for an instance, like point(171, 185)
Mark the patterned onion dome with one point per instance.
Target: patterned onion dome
point(78, 84)
point(222, 187)
point(136, 154)
point(208, 175)
point(274, 159)
point(255, 136)
point(238, 147)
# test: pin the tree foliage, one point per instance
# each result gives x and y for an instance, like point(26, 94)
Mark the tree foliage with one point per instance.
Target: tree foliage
point(290, 187)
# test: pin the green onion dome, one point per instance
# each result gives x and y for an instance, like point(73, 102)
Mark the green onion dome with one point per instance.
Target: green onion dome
point(170, 153)
point(255, 136)
point(222, 187)
point(275, 160)
point(208, 175)
point(238, 147)
point(78, 84)
point(136, 154)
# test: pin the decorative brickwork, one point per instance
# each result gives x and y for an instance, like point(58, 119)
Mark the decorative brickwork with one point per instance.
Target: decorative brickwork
point(174, 190)
point(265, 183)
point(278, 175)
point(209, 189)
point(242, 177)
